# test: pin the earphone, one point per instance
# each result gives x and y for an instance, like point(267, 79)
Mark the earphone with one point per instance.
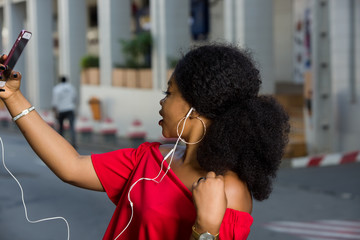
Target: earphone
point(171, 153)
point(22, 196)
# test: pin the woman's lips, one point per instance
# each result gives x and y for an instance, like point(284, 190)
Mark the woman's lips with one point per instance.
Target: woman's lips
point(161, 121)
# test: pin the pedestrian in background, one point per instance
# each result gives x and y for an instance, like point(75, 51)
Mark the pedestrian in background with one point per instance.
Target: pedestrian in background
point(64, 101)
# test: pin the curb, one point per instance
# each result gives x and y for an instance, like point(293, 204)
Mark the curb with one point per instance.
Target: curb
point(324, 160)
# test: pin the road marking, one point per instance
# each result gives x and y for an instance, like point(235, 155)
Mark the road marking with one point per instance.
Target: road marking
point(319, 230)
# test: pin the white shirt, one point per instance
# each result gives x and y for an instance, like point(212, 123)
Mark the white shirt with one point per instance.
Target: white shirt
point(64, 97)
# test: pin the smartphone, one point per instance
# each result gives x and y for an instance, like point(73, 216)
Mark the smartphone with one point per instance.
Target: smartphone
point(15, 52)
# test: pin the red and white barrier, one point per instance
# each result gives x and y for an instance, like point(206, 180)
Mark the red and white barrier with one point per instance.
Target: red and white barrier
point(136, 130)
point(5, 115)
point(326, 160)
point(83, 125)
point(108, 127)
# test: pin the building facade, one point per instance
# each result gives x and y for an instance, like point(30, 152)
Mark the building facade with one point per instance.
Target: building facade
point(64, 31)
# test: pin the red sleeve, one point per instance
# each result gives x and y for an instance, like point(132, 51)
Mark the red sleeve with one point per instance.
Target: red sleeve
point(114, 168)
point(235, 225)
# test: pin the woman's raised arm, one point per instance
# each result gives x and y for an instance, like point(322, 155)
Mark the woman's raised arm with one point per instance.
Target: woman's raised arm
point(50, 146)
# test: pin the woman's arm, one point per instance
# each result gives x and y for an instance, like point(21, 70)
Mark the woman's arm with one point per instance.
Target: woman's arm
point(214, 195)
point(210, 203)
point(51, 147)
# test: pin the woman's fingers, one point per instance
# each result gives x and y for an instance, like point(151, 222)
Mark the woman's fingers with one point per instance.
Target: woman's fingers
point(5, 71)
point(209, 175)
point(2, 67)
point(210, 202)
point(9, 83)
point(3, 58)
point(15, 75)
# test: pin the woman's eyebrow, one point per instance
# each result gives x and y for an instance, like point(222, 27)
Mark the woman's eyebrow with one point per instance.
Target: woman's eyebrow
point(169, 83)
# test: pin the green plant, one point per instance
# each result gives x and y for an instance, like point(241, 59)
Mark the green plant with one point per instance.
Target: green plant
point(89, 61)
point(172, 61)
point(137, 51)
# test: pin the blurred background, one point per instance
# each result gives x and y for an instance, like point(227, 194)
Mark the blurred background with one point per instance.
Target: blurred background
point(119, 55)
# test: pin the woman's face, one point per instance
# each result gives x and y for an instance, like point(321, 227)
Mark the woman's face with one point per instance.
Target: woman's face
point(173, 109)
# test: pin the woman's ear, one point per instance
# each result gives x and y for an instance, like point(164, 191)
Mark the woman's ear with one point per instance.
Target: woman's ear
point(194, 113)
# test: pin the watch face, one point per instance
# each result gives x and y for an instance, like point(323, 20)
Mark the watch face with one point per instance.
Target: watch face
point(206, 236)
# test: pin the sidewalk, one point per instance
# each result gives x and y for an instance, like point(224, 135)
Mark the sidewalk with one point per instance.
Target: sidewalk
point(97, 143)
point(94, 143)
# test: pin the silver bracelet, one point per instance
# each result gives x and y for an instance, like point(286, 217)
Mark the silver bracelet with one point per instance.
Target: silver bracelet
point(23, 113)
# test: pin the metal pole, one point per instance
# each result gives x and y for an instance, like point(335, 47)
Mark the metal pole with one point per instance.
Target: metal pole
point(352, 52)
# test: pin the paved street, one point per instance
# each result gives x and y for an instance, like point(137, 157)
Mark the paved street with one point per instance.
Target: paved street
point(307, 203)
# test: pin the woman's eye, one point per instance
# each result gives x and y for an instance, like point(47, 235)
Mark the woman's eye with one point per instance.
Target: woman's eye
point(167, 93)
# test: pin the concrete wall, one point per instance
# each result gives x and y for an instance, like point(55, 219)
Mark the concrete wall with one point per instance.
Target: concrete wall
point(258, 33)
point(124, 106)
point(347, 110)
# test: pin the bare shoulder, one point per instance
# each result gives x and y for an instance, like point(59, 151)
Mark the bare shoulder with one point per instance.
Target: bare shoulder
point(237, 193)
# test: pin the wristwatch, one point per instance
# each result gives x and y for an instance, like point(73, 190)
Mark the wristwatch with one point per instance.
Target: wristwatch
point(204, 236)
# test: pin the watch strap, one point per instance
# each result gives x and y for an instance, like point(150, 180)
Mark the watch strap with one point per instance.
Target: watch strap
point(196, 235)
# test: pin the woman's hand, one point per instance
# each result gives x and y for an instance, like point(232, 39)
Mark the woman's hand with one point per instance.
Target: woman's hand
point(210, 202)
point(12, 79)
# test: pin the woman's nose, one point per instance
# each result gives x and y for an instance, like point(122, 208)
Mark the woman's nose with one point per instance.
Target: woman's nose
point(161, 101)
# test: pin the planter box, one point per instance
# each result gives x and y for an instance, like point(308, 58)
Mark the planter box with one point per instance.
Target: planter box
point(119, 77)
point(90, 76)
point(132, 78)
point(146, 78)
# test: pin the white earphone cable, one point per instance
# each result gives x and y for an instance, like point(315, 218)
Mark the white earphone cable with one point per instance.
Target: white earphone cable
point(22, 196)
point(172, 152)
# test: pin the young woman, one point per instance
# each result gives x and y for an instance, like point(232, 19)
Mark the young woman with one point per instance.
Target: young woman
point(234, 141)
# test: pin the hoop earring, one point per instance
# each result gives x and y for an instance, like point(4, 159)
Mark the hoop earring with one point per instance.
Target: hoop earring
point(177, 130)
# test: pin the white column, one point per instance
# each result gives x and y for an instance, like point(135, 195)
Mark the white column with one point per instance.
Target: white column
point(158, 30)
point(324, 131)
point(72, 38)
point(1, 28)
point(283, 46)
point(40, 59)
point(14, 19)
point(234, 21)
point(114, 24)
point(171, 34)
point(250, 25)
point(258, 33)
point(177, 27)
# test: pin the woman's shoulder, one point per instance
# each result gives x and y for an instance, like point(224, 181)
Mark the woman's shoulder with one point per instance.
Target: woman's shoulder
point(237, 193)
